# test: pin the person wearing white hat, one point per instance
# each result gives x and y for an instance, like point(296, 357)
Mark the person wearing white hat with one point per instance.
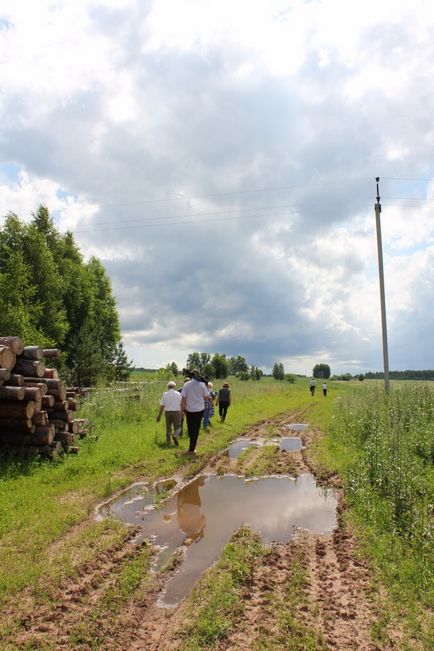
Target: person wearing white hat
point(171, 405)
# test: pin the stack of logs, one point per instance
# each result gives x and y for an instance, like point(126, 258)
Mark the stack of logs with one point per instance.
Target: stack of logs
point(36, 409)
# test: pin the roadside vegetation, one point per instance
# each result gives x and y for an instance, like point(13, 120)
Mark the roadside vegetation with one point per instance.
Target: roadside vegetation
point(383, 447)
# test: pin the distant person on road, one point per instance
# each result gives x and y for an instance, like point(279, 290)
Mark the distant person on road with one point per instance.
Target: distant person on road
point(171, 405)
point(208, 411)
point(224, 401)
point(312, 386)
point(324, 388)
point(193, 396)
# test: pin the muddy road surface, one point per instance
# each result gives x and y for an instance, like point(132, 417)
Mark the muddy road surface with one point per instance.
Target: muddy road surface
point(337, 601)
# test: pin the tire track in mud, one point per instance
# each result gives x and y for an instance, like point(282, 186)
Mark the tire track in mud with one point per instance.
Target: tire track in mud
point(337, 590)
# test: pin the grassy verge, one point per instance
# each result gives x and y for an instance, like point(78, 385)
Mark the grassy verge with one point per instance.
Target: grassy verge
point(41, 502)
point(218, 601)
point(384, 449)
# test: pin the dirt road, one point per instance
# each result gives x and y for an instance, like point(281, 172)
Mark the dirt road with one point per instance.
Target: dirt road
point(339, 603)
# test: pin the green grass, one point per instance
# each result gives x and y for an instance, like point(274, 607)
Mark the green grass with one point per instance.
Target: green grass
point(383, 447)
point(218, 601)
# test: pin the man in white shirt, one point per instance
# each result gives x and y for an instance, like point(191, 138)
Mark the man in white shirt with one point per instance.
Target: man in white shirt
point(171, 405)
point(193, 396)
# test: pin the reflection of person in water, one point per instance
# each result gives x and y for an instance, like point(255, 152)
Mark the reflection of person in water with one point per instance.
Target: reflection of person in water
point(191, 520)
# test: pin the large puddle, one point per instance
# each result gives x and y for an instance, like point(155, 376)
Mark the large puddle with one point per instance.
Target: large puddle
point(205, 513)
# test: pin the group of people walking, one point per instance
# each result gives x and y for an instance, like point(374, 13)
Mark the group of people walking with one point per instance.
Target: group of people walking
point(196, 400)
point(312, 386)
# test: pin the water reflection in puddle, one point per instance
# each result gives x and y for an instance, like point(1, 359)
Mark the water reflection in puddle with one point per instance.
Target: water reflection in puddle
point(297, 427)
point(290, 444)
point(239, 445)
point(287, 443)
point(205, 513)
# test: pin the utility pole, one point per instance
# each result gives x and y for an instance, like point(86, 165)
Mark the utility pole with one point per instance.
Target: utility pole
point(382, 293)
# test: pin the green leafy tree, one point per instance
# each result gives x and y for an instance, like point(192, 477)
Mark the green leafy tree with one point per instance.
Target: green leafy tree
point(278, 371)
point(244, 376)
point(194, 361)
point(121, 365)
point(88, 366)
point(172, 368)
point(237, 365)
point(290, 377)
point(321, 371)
point(209, 371)
point(221, 365)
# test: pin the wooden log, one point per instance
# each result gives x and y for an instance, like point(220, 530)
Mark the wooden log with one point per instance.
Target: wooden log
point(61, 405)
point(74, 427)
point(12, 393)
point(83, 433)
point(48, 401)
point(51, 373)
point(32, 352)
point(45, 435)
point(15, 380)
point(51, 352)
point(72, 449)
point(18, 425)
point(65, 437)
point(60, 426)
point(54, 384)
point(59, 394)
point(36, 382)
point(32, 393)
point(29, 367)
point(7, 357)
point(64, 416)
point(40, 418)
point(24, 410)
point(16, 343)
point(5, 374)
point(73, 405)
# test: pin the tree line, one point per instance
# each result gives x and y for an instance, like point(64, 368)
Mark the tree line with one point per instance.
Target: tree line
point(52, 298)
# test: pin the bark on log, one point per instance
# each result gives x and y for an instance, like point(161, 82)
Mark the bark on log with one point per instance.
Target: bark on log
point(16, 343)
point(16, 410)
point(64, 416)
point(65, 437)
point(32, 352)
point(73, 405)
point(59, 394)
point(48, 402)
point(40, 418)
point(31, 368)
point(15, 380)
point(32, 393)
point(36, 382)
point(18, 425)
point(54, 384)
point(12, 393)
point(44, 435)
point(74, 427)
point(61, 405)
point(51, 373)
point(59, 425)
point(7, 357)
point(5, 374)
point(51, 352)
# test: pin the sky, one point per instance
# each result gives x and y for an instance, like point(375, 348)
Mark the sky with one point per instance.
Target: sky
point(220, 157)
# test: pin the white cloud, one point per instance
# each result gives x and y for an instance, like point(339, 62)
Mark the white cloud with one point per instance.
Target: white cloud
point(219, 158)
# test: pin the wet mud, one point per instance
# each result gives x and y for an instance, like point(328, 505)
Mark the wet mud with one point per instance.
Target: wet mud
point(340, 600)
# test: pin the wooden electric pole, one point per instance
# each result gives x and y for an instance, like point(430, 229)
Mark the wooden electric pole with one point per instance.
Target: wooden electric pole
point(382, 292)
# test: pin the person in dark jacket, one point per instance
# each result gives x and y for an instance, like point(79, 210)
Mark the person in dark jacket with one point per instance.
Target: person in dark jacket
point(224, 401)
